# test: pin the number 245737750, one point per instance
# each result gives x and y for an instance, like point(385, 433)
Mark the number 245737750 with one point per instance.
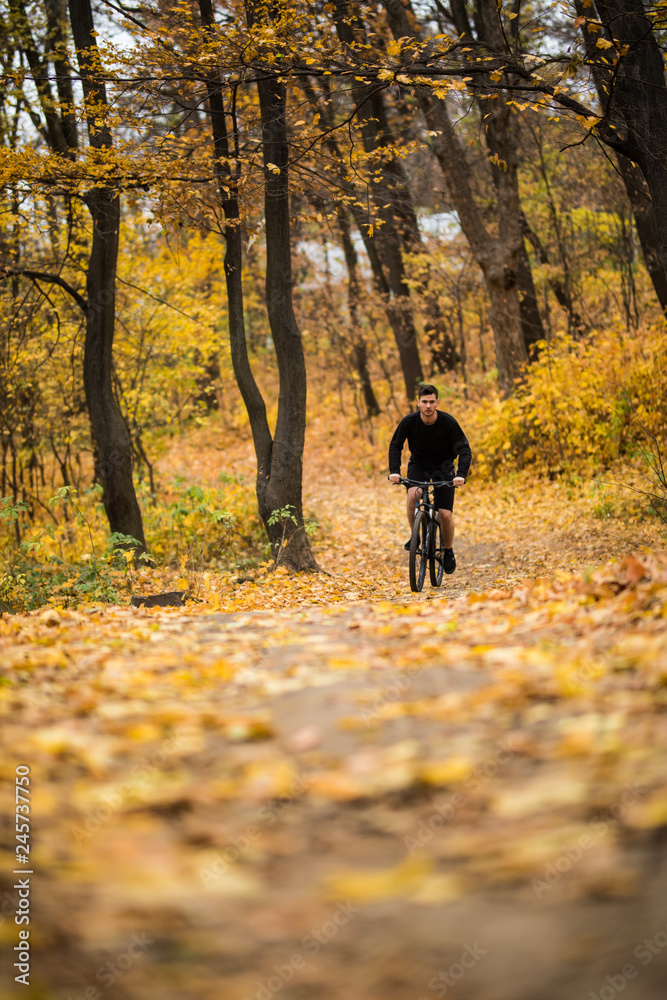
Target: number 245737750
point(22, 814)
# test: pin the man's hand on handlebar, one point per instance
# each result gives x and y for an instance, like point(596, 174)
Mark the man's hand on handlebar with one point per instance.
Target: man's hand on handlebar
point(395, 479)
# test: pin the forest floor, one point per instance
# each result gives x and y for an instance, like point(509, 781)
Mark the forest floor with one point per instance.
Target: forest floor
point(327, 787)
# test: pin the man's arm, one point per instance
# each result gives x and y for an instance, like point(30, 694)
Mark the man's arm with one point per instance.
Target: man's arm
point(462, 449)
point(396, 448)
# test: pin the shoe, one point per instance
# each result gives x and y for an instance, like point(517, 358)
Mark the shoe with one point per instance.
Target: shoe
point(407, 545)
point(449, 561)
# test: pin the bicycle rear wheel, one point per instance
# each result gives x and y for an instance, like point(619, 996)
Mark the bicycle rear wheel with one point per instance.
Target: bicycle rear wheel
point(419, 550)
point(436, 561)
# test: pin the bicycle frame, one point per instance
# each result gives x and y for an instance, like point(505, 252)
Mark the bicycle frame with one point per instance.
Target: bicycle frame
point(426, 530)
point(426, 501)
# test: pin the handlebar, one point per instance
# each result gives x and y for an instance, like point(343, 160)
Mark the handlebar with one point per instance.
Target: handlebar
point(414, 482)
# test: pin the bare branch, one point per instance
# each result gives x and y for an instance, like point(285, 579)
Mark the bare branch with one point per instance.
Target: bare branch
point(53, 279)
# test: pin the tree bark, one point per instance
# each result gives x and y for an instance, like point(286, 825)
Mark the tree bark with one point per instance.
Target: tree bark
point(279, 459)
point(111, 437)
point(610, 95)
point(633, 96)
point(532, 328)
point(228, 190)
point(502, 142)
point(56, 131)
point(561, 290)
point(498, 257)
point(495, 257)
point(642, 210)
point(56, 13)
point(282, 488)
point(359, 347)
point(393, 206)
point(386, 268)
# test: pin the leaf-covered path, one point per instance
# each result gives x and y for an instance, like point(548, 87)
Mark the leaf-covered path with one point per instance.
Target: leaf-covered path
point(397, 799)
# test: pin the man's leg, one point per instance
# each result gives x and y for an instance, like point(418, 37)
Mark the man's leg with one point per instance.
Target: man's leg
point(447, 526)
point(413, 493)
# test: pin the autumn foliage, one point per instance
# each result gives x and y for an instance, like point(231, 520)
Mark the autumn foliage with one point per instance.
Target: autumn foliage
point(234, 238)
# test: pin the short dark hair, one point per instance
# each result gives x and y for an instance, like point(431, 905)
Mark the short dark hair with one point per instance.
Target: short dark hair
point(427, 390)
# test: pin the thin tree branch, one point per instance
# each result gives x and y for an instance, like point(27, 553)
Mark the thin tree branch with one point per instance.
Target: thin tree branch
point(156, 298)
point(54, 279)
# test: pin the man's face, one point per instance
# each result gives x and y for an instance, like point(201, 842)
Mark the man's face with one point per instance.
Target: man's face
point(428, 405)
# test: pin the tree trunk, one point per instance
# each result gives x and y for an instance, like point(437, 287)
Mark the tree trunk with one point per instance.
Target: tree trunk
point(503, 144)
point(110, 434)
point(613, 99)
point(228, 191)
point(393, 206)
point(282, 488)
point(359, 347)
point(561, 290)
point(649, 238)
point(53, 131)
point(56, 14)
point(386, 262)
point(532, 327)
point(113, 447)
point(445, 355)
point(279, 460)
point(633, 96)
point(497, 257)
point(505, 318)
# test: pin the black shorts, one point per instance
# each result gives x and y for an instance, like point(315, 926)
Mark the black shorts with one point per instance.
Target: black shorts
point(444, 495)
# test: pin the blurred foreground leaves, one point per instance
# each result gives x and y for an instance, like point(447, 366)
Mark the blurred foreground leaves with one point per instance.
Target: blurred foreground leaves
point(192, 771)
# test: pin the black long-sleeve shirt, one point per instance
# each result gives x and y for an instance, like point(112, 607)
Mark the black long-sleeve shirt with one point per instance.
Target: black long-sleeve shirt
point(432, 446)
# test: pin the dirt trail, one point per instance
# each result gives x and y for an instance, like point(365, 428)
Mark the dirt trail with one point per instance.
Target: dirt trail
point(398, 799)
point(325, 788)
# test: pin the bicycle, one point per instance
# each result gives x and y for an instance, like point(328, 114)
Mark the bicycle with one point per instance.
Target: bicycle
point(426, 543)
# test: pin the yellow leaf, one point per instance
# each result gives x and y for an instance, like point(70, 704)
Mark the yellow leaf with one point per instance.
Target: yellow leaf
point(649, 814)
point(344, 663)
point(337, 786)
point(446, 772)
point(440, 889)
point(407, 879)
point(242, 730)
point(269, 779)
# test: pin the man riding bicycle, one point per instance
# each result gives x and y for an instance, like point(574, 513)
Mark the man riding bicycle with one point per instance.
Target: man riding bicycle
point(435, 440)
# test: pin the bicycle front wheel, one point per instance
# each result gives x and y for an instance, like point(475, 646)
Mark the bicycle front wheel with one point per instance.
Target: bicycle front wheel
point(419, 550)
point(436, 561)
